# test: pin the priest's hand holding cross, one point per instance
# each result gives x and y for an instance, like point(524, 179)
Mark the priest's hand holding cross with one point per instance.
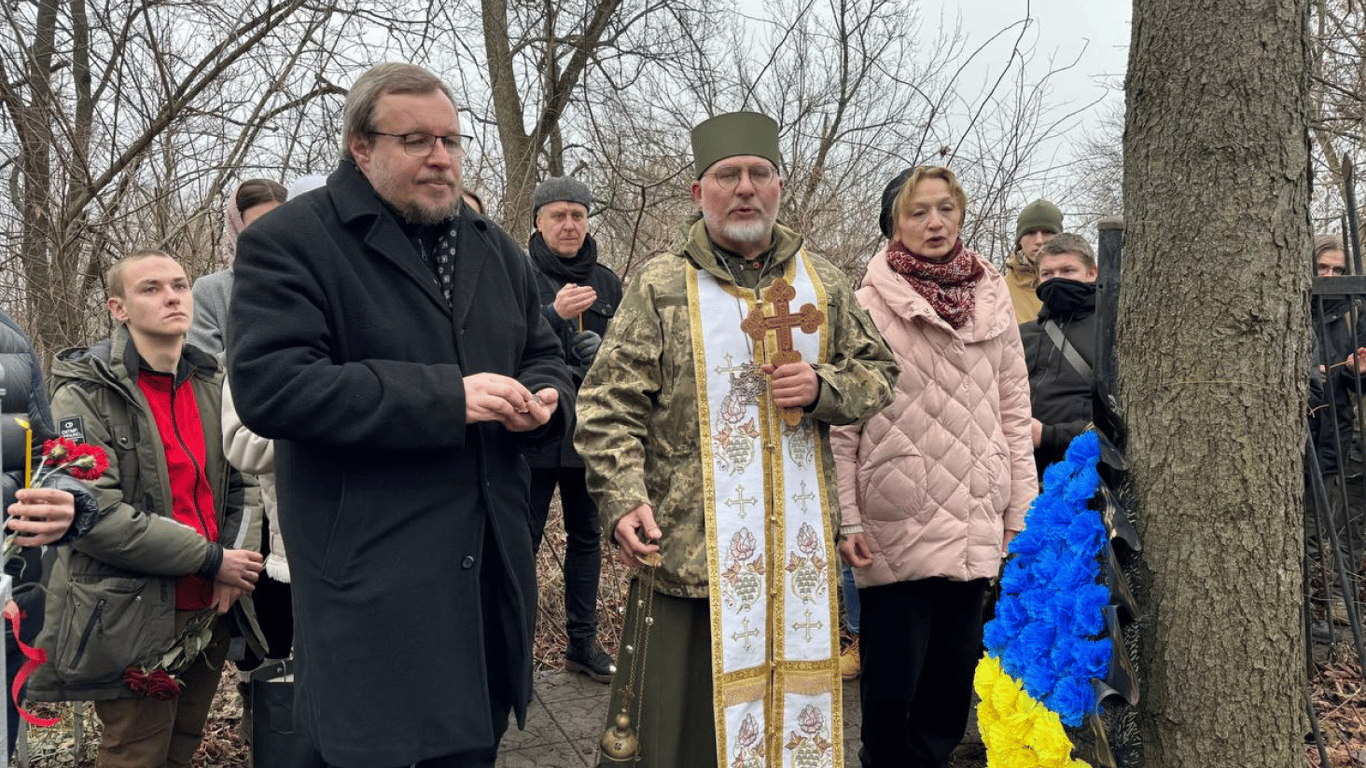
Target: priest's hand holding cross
point(794, 382)
point(794, 385)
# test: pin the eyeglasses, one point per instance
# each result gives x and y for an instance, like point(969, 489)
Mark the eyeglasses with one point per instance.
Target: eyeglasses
point(420, 144)
point(729, 177)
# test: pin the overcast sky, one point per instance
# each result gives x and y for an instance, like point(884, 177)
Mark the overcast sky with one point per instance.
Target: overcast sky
point(1061, 29)
point(1093, 32)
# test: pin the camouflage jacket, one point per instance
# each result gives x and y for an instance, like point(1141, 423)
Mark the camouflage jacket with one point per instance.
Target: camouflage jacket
point(637, 410)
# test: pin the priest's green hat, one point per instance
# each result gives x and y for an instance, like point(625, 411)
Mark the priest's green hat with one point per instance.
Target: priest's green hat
point(735, 133)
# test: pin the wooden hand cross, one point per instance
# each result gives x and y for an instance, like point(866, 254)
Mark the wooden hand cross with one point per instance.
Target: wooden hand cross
point(781, 322)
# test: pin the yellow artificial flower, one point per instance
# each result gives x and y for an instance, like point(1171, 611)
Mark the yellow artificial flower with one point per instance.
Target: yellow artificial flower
point(1018, 731)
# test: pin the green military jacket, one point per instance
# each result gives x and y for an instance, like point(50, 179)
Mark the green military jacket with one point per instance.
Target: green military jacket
point(1022, 278)
point(637, 410)
point(111, 595)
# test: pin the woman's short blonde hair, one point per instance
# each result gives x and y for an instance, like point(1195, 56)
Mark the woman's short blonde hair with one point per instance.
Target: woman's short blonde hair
point(903, 198)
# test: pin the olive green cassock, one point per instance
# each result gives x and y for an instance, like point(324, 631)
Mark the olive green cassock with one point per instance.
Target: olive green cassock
point(639, 438)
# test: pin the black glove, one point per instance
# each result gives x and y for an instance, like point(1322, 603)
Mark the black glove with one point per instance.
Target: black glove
point(585, 345)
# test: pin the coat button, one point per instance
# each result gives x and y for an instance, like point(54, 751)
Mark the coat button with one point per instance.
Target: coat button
point(468, 562)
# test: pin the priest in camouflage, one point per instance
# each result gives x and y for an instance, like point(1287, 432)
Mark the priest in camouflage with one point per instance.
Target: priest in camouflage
point(682, 430)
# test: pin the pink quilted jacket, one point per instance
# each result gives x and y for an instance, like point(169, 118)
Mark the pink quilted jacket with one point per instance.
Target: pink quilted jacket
point(938, 476)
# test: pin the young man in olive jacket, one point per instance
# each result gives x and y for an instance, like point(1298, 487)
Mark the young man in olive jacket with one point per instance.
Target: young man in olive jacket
point(173, 542)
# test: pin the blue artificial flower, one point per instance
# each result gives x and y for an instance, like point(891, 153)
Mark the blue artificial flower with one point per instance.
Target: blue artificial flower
point(1026, 544)
point(1013, 577)
point(1071, 699)
point(1091, 658)
point(1045, 571)
point(1088, 606)
point(1034, 642)
point(996, 638)
point(1057, 476)
point(1011, 615)
point(1049, 628)
point(1085, 534)
point(1038, 677)
point(1074, 573)
point(1084, 448)
point(1082, 486)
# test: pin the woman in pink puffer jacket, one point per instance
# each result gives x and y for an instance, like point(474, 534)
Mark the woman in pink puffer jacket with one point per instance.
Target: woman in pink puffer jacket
point(933, 488)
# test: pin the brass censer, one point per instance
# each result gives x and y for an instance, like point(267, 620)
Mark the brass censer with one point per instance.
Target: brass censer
point(621, 741)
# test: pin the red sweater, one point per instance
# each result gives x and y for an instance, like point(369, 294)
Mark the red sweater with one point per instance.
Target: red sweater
point(182, 439)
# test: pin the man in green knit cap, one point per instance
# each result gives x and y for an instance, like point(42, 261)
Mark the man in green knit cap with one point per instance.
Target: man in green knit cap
point(703, 425)
point(1036, 225)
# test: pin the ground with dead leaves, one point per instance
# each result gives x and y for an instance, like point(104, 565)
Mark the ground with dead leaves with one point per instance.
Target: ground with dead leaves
point(1338, 693)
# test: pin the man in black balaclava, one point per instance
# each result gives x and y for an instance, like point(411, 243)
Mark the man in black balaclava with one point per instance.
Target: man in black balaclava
point(1060, 346)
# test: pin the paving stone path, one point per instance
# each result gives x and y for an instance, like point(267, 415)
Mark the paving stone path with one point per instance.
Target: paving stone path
point(567, 716)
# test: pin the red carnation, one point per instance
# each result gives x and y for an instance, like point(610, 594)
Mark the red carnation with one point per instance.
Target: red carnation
point(88, 462)
point(156, 684)
point(57, 450)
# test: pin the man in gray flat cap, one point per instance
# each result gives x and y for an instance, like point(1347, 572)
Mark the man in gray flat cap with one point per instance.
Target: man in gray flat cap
point(578, 296)
point(703, 424)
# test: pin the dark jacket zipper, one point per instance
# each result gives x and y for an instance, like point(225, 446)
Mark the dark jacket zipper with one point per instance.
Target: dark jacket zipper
point(89, 629)
point(198, 471)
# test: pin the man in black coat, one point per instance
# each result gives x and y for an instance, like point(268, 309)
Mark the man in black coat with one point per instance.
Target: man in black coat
point(1339, 324)
point(1060, 346)
point(391, 341)
point(578, 296)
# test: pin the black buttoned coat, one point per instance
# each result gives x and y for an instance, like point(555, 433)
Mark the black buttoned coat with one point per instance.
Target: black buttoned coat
point(413, 577)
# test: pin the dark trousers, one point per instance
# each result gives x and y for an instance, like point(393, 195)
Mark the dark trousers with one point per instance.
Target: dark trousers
point(479, 758)
point(274, 604)
point(582, 551)
point(920, 642)
point(1347, 512)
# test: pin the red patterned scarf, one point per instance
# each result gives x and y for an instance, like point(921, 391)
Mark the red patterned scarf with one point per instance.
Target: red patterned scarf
point(949, 285)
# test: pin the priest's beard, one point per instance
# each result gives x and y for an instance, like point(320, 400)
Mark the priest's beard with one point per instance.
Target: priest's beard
point(741, 232)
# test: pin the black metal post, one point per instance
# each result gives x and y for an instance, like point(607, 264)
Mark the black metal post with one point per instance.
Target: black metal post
point(1107, 309)
point(1353, 240)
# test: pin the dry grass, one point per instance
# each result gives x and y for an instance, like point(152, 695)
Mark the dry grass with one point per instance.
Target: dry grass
point(551, 637)
point(57, 747)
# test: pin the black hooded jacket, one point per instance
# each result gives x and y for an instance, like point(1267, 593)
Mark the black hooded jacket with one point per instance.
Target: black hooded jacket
point(1335, 337)
point(1059, 394)
point(21, 378)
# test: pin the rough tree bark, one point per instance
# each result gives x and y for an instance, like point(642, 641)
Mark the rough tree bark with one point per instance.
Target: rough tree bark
point(1213, 343)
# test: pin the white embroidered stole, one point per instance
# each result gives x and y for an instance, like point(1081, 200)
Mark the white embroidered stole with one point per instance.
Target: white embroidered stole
point(771, 554)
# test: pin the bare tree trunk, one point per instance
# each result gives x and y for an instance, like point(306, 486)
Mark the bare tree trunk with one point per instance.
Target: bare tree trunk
point(35, 138)
point(1213, 344)
point(520, 148)
point(519, 167)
